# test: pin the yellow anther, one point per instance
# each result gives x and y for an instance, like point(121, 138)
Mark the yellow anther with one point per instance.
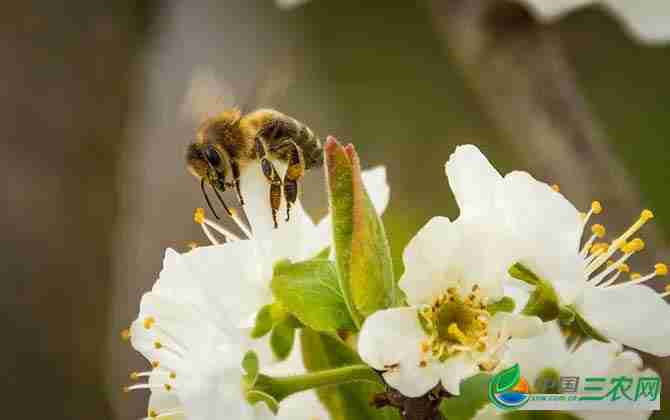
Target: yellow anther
point(134, 376)
point(173, 375)
point(125, 334)
point(646, 215)
point(158, 345)
point(425, 346)
point(168, 387)
point(598, 230)
point(635, 276)
point(199, 215)
point(661, 269)
point(596, 207)
point(609, 263)
point(456, 332)
point(153, 414)
point(556, 188)
point(149, 322)
point(667, 288)
point(155, 364)
point(599, 247)
point(624, 268)
point(635, 245)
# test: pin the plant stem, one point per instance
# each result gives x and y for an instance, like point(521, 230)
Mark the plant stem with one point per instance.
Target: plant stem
point(282, 387)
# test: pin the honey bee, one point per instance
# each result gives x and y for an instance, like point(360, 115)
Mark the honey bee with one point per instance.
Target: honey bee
point(226, 143)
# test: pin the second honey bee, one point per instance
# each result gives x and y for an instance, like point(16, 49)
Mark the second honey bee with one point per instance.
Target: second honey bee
point(227, 143)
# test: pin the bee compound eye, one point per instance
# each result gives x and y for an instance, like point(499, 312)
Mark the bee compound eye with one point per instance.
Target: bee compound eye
point(213, 156)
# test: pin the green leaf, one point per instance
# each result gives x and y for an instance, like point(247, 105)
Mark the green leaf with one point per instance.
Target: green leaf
point(310, 291)
point(344, 402)
point(264, 322)
point(521, 272)
point(282, 338)
point(474, 396)
point(255, 397)
point(250, 365)
point(507, 379)
point(506, 304)
point(361, 248)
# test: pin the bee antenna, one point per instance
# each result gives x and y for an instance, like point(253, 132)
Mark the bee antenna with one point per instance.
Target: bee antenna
point(221, 200)
point(204, 193)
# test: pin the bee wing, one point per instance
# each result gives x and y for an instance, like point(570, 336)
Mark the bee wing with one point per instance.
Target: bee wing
point(206, 95)
point(273, 81)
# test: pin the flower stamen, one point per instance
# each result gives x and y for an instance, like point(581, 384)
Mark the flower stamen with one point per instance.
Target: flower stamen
point(620, 242)
point(455, 324)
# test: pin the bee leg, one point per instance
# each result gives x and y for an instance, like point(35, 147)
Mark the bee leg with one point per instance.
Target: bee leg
point(291, 194)
point(272, 176)
point(275, 192)
point(236, 180)
point(295, 171)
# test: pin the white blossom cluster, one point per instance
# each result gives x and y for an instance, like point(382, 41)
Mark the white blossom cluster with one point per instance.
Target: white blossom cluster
point(465, 312)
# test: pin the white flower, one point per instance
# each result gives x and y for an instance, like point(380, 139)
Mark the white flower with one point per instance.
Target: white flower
point(196, 348)
point(245, 266)
point(453, 270)
point(302, 406)
point(290, 4)
point(545, 358)
point(196, 372)
point(548, 231)
point(648, 20)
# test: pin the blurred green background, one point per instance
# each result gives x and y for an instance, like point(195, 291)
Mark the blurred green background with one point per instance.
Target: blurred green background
point(95, 127)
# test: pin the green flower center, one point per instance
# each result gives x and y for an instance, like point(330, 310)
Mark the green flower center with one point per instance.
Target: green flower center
point(455, 324)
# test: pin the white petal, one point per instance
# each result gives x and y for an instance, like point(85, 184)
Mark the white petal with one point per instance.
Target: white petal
point(374, 180)
point(552, 9)
point(174, 280)
point(390, 336)
point(547, 231)
point(290, 4)
point(472, 179)
point(162, 400)
point(592, 358)
point(483, 256)
point(648, 20)
point(519, 291)
point(232, 278)
point(430, 267)
point(634, 315)
point(456, 369)
point(413, 380)
point(534, 354)
point(535, 211)
point(515, 325)
point(391, 340)
point(302, 406)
